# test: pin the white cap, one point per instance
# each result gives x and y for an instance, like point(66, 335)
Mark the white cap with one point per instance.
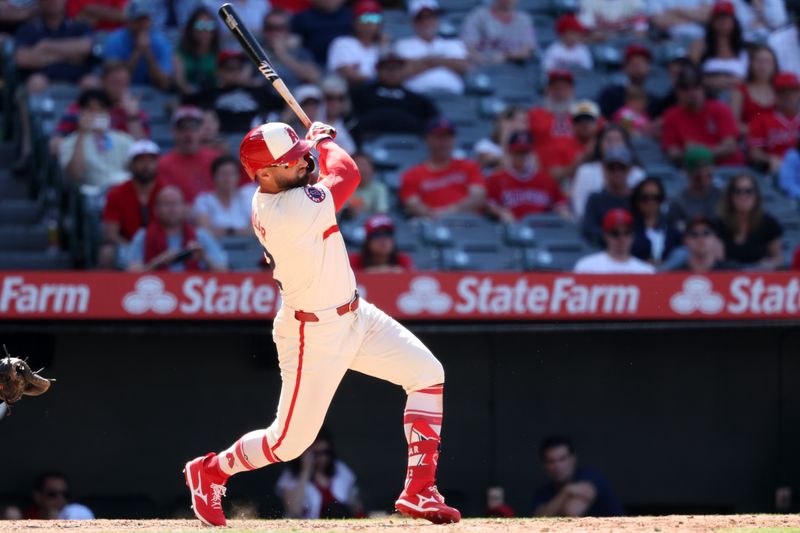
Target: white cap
point(415, 6)
point(306, 92)
point(142, 147)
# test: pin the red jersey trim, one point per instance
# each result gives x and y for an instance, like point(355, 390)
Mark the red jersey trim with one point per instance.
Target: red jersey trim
point(330, 231)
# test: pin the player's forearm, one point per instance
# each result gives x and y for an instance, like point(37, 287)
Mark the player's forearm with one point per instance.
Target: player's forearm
point(339, 172)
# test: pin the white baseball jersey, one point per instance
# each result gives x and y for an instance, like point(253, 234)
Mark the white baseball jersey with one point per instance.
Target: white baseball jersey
point(304, 247)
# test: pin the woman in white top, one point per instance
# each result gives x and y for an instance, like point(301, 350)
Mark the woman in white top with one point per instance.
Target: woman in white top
point(354, 56)
point(723, 46)
point(589, 177)
point(318, 485)
point(224, 211)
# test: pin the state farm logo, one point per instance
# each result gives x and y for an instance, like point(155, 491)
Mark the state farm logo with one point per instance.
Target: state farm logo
point(697, 295)
point(149, 295)
point(424, 295)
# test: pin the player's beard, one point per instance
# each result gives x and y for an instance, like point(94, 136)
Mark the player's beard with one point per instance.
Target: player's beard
point(300, 179)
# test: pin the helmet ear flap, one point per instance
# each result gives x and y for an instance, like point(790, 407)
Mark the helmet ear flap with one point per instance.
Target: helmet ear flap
point(313, 166)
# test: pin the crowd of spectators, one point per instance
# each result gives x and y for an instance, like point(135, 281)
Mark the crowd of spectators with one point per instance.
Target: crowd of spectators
point(733, 100)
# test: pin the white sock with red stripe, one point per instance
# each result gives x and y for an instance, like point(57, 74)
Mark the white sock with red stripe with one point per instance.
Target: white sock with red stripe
point(426, 404)
point(248, 453)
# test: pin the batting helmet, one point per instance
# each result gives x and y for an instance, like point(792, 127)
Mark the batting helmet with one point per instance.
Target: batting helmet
point(271, 144)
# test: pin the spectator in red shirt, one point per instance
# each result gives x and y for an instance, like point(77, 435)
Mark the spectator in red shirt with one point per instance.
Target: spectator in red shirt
point(102, 15)
point(697, 120)
point(523, 188)
point(442, 184)
point(129, 204)
point(773, 134)
point(379, 252)
point(757, 94)
point(188, 165)
point(562, 156)
point(552, 120)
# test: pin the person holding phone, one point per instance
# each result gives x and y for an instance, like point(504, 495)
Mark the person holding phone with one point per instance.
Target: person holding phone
point(170, 243)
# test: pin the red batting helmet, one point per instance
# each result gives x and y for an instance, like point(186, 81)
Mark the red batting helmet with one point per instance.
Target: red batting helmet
point(271, 144)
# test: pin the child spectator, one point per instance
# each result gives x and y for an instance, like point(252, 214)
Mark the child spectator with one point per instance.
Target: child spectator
point(654, 236)
point(353, 57)
point(757, 94)
point(224, 210)
point(371, 197)
point(291, 61)
point(320, 24)
point(129, 205)
point(145, 50)
point(523, 188)
point(773, 134)
point(188, 164)
point(568, 51)
point(379, 252)
point(195, 60)
point(170, 243)
point(633, 115)
point(498, 33)
point(442, 184)
point(94, 154)
point(616, 258)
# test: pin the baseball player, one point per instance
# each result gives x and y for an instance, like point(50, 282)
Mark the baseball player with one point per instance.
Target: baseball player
point(323, 328)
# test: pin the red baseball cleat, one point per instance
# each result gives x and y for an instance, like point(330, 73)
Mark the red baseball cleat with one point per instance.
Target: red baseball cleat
point(427, 504)
point(207, 489)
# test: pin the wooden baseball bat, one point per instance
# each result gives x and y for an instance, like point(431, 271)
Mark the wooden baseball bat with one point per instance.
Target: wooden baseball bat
point(259, 57)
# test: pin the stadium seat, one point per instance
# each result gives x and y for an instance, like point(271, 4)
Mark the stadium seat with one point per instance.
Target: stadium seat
point(23, 238)
point(545, 30)
point(520, 235)
point(469, 232)
point(555, 255)
point(459, 109)
point(500, 260)
point(35, 261)
point(396, 23)
point(395, 151)
point(425, 258)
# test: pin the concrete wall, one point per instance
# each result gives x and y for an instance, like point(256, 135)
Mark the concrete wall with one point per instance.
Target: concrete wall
point(677, 419)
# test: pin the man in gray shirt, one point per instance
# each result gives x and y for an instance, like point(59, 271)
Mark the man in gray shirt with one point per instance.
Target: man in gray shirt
point(498, 33)
point(700, 197)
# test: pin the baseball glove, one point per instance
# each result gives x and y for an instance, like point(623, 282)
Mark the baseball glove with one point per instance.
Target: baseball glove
point(18, 380)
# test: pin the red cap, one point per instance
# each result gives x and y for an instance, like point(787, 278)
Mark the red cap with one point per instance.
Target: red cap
point(617, 217)
point(785, 81)
point(637, 50)
point(366, 6)
point(569, 22)
point(560, 75)
point(225, 55)
point(270, 144)
point(723, 8)
point(520, 141)
point(377, 223)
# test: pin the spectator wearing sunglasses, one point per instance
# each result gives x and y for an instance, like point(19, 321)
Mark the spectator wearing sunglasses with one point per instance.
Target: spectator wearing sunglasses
point(337, 108)
point(617, 231)
point(616, 193)
point(195, 62)
point(654, 237)
point(703, 247)
point(291, 61)
point(752, 237)
point(51, 500)
point(354, 56)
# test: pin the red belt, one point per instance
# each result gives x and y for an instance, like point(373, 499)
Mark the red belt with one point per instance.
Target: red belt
point(349, 307)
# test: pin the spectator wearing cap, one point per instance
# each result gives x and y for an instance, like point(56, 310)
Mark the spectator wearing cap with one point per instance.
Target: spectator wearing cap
point(568, 51)
point(354, 56)
point(195, 60)
point(95, 154)
point(129, 205)
point(188, 164)
point(655, 238)
point(385, 106)
point(698, 120)
point(291, 61)
point(320, 24)
point(371, 197)
point(170, 243)
point(638, 59)
point(723, 48)
point(704, 250)
point(773, 134)
point(379, 252)
point(789, 174)
point(751, 236)
point(52, 47)
point(337, 109)
point(607, 19)
point(757, 94)
point(442, 185)
point(434, 64)
point(616, 258)
point(103, 15)
point(225, 210)
point(144, 49)
point(562, 155)
point(522, 188)
point(126, 114)
point(235, 99)
point(551, 122)
point(590, 176)
point(617, 162)
point(701, 196)
point(499, 33)
point(682, 20)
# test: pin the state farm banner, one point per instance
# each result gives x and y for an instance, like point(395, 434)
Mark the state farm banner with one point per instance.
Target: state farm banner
point(413, 296)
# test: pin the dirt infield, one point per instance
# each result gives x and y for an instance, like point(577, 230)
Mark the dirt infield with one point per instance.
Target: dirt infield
point(732, 524)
